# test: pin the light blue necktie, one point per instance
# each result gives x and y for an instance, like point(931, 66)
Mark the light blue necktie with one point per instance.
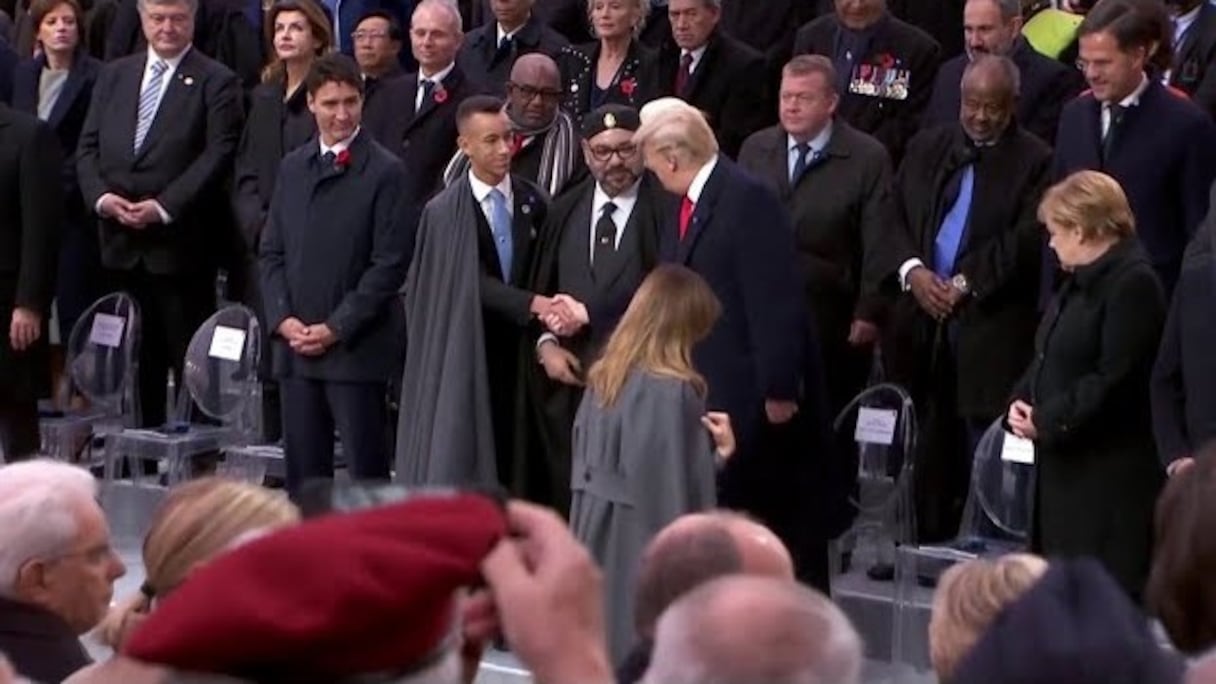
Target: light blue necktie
point(147, 102)
point(950, 236)
point(500, 226)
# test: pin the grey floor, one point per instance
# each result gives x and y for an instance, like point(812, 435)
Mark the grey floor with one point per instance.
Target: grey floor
point(867, 603)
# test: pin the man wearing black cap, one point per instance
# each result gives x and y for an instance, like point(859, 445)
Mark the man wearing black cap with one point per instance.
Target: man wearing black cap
point(598, 242)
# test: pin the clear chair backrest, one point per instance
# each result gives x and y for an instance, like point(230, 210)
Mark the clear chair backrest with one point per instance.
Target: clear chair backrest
point(1001, 485)
point(102, 351)
point(881, 421)
point(220, 371)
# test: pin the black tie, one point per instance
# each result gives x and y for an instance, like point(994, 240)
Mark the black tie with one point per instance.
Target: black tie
point(605, 242)
point(1112, 130)
point(428, 89)
point(328, 160)
point(803, 149)
point(504, 49)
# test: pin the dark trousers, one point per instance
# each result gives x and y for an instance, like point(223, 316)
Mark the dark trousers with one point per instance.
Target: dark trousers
point(171, 309)
point(311, 410)
point(19, 435)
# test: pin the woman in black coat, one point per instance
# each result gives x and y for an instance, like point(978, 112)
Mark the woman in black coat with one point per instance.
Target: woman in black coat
point(56, 86)
point(1085, 398)
point(616, 69)
point(279, 122)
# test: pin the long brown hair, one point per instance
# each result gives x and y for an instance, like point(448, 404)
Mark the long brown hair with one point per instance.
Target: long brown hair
point(318, 23)
point(196, 521)
point(672, 311)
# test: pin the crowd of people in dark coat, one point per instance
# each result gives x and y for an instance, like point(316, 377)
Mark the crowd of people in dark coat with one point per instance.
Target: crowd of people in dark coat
point(628, 259)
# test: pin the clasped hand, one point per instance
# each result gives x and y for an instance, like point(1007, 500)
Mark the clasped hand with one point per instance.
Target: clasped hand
point(562, 314)
point(936, 296)
point(137, 215)
point(307, 340)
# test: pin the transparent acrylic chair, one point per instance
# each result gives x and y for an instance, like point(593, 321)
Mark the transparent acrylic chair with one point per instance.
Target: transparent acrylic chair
point(220, 378)
point(99, 368)
point(996, 520)
point(881, 421)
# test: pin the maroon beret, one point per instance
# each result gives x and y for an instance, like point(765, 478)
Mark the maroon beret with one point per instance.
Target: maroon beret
point(346, 594)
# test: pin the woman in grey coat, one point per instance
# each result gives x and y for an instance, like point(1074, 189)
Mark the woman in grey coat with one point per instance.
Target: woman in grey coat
point(645, 449)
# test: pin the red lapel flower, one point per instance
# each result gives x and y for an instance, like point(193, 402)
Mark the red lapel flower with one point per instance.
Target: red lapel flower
point(342, 160)
point(628, 86)
point(440, 95)
point(886, 60)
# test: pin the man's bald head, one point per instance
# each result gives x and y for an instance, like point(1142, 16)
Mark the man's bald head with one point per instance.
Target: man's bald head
point(989, 96)
point(696, 548)
point(537, 70)
point(743, 629)
point(533, 91)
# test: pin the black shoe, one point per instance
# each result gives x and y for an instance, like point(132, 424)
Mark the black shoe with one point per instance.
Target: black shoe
point(881, 572)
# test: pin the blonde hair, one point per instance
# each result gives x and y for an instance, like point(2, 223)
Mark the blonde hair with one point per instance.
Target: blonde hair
point(196, 522)
point(1091, 202)
point(969, 597)
point(644, 8)
point(672, 311)
point(670, 125)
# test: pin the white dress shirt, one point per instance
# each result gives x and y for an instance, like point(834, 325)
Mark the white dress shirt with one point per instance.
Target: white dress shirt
point(340, 146)
point(620, 216)
point(696, 58)
point(1132, 100)
point(502, 33)
point(437, 79)
point(698, 181)
point(481, 193)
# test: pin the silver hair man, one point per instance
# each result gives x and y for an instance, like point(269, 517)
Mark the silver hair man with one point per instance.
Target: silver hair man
point(747, 629)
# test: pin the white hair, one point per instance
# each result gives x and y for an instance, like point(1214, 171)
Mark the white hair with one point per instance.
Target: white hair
point(798, 636)
point(39, 504)
point(446, 5)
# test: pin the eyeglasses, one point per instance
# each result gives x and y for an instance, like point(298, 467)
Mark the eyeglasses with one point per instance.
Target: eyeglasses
point(603, 153)
point(528, 93)
point(368, 35)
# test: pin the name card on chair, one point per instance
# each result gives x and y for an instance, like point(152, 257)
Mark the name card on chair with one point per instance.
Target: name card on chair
point(107, 330)
point(1017, 449)
point(227, 344)
point(876, 426)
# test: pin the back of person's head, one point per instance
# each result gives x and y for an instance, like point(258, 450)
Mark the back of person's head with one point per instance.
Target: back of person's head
point(1181, 591)
point(673, 127)
point(41, 502)
point(672, 310)
point(1076, 625)
point(744, 629)
point(969, 597)
point(196, 522)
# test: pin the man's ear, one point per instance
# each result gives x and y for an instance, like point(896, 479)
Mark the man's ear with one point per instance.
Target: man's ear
point(31, 581)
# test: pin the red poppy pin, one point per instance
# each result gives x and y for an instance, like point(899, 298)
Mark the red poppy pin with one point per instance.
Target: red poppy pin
point(440, 96)
point(342, 160)
point(886, 60)
point(628, 86)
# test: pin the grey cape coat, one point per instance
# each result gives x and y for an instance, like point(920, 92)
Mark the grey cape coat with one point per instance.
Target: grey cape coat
point(637, 465)
point(444, 433)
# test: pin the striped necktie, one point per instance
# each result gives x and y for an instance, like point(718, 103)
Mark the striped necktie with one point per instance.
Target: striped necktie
point(148, 100)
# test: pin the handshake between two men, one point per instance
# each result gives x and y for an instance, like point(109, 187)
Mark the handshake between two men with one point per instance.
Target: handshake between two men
point(563, 316)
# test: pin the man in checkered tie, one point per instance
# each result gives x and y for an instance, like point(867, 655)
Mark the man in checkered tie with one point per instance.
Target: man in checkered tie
point(156, 146)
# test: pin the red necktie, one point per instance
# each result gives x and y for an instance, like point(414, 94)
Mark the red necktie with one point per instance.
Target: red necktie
point(517, 144)
point(686, 208)
point(682, 74)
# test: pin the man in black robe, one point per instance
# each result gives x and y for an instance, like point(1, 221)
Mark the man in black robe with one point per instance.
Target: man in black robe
point(468, 313)
point(599, 241)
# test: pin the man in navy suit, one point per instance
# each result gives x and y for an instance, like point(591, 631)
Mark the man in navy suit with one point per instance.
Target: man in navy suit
point(8, 63)
point(1154, 141)
point(335, 250)
point(733, 231)
point(154, 155)
point(994, 27)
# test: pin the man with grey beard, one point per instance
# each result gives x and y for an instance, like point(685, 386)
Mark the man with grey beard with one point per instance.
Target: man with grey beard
point(599, 241)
